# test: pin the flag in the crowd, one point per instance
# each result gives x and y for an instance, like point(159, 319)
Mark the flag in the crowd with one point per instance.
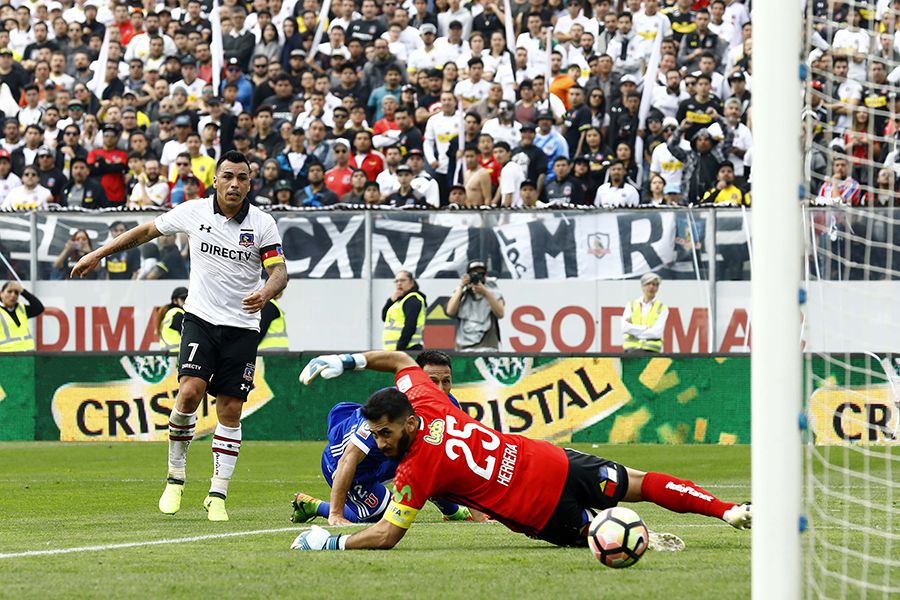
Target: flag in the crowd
point(98, 82)
point(460, 147)
point(8, 104)
point(549, 43)
point(215, 46)
point(320, 29)
point(647, 98)
point(510, 30)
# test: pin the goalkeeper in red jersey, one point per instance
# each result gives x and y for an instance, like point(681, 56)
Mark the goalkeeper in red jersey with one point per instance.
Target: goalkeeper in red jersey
point(531, 486)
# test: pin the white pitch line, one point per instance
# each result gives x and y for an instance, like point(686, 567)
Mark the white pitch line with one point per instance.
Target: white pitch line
point(196, 538)
point(217, 536)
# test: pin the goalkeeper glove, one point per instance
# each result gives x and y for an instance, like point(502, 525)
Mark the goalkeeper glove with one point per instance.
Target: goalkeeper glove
point(318, 538)
point(330, 366)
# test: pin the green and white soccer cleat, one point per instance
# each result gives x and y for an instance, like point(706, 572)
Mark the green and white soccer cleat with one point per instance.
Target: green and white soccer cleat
point(462, 514)
point(305, 508)
point(739, 516)
point(215, 508)
point(170, 501)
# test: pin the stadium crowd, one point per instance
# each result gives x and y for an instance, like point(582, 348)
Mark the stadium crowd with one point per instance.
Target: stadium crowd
point(372, 114)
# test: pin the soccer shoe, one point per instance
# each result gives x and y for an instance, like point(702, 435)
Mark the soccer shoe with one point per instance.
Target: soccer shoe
point(665, 542)
point(462, 514)
point(215, 508)
point(170, 501)
point(739, 516)
point(305, 507)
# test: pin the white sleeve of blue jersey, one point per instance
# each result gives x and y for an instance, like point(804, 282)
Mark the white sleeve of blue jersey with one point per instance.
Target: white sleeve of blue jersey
point(362, 438)
point(176, 220)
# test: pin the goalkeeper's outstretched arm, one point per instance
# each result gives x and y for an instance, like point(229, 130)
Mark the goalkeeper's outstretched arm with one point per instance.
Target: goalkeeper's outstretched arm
point(390, 361)
point(333, 365)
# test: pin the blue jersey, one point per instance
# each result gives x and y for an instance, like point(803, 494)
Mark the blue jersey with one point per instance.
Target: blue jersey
point(346, 425)
point(553, 145)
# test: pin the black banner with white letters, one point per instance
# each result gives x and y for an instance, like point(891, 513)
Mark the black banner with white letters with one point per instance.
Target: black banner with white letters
point(333, 244)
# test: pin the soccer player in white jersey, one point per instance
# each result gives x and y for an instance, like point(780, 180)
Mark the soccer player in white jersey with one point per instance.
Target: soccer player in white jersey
point(230, 242)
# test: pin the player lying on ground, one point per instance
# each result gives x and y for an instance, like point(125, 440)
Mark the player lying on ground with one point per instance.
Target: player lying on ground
point(531, 486)
point(356, 469)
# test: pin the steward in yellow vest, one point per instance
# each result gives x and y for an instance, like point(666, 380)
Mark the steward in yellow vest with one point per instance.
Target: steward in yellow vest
point(644, 319)
point(272, 327)
point(404, 315)
point(15, 333)
point(171, 318)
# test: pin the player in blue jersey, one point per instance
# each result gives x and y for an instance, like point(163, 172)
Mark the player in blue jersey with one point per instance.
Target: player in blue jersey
point(356, 469)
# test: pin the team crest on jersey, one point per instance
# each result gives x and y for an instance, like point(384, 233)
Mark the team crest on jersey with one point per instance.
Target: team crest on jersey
point(246, 240)
point(363, 431)
point(609, 480)
point(249, 370)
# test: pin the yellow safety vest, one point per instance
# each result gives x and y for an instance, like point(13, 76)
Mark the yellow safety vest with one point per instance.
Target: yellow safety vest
point(169, 339)
point(395, 320)
point(637, 318)
point(276, 337)
point(15, 338)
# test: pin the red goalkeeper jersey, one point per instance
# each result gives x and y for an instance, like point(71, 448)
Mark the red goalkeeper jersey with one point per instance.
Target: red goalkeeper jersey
point(516, 480)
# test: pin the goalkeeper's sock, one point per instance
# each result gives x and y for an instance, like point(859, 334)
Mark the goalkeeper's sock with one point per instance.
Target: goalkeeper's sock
point(681, 495)
point(181, 432)
point(447, 508)
point(226, 444)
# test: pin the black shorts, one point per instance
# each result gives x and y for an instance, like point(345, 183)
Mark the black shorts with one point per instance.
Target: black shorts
point(592, 482)
point(223, 356)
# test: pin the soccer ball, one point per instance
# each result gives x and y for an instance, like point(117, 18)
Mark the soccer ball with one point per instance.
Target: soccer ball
point(618, 537)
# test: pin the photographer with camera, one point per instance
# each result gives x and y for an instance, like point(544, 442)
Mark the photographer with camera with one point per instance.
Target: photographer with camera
point(478, 305)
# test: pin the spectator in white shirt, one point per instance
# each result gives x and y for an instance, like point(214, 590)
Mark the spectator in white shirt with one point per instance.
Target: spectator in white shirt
point(617, 192)
point(650, 21)
point(409, 36)
point(662, 162)
point(743, 138)
point(502, 127)
point(426, 56)
point(30, 195)
point(474, 89)
point(511, 177)
point(455, 13)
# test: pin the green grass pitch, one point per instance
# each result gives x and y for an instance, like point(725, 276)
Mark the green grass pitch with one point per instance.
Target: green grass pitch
point(57, 496)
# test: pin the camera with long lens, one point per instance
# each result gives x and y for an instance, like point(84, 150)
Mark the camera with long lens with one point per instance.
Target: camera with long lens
point(476, 277)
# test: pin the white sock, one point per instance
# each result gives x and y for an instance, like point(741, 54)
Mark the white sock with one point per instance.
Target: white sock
point(226, 444)
point(181, 432)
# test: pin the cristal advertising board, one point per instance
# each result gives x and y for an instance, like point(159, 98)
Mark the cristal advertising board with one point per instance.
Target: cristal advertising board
point(562, 399)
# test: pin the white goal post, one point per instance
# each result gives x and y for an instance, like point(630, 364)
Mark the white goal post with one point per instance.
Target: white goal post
point(776, 369)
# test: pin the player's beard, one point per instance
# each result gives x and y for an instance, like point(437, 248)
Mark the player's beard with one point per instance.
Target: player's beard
point(403, 445)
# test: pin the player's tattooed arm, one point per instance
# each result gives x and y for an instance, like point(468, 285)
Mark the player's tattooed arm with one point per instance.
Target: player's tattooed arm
point(277, 281)
point(126, 241)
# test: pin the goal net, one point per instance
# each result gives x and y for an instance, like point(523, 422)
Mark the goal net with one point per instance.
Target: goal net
point(851, 324)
